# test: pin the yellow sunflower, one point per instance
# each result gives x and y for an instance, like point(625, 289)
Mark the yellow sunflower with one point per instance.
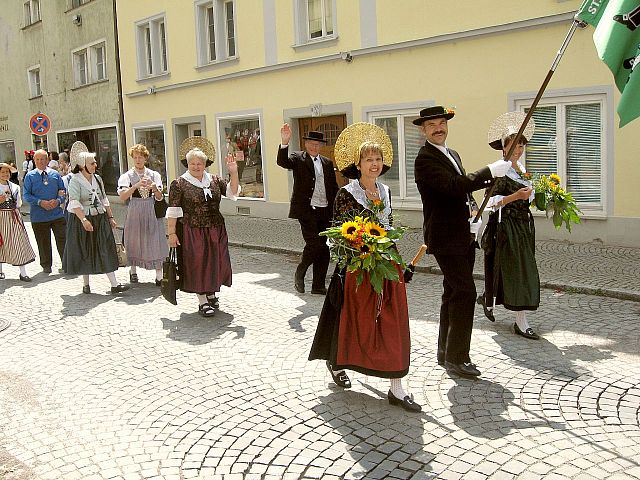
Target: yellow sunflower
point(375, 230)
point(349, 230)
point(555, 178)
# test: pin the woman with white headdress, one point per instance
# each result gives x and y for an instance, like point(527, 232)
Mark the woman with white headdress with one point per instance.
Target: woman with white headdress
point(508, 241)
point(90, 247)
point(15, 248)
point(196, 226)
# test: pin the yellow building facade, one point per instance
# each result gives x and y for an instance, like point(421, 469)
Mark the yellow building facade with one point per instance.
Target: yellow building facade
point(235, 71)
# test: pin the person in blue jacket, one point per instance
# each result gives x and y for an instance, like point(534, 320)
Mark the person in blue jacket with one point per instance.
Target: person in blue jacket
point(45, 192)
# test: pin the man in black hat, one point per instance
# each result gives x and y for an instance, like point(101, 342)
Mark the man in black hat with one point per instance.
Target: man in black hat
point(314, 190)
point(450, 235)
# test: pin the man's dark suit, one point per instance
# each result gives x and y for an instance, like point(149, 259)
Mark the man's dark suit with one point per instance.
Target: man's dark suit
point(312, 220)
point(445, 198)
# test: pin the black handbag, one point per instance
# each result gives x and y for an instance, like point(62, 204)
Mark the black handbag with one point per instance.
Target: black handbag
point(160, 207)
point(170, 277)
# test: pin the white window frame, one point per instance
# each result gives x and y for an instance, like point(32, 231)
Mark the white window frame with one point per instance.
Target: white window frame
point(223, 37)
point(78, 2)
point(31, 12)
point(401, 199)
point(90, 63)
point(34, 78)
point(152, 47)
point(301, 13)
point(560, 99)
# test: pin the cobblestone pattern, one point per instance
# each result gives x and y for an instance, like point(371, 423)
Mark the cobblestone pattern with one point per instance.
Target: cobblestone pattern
point(590, 268)
point(102, 387)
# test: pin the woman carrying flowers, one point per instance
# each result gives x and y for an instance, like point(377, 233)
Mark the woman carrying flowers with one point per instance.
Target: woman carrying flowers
point(364, 324)
point(508, 241)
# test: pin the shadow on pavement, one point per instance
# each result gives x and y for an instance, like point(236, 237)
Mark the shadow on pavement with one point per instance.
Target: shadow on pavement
point(81, 304)
point(375, 431)
point(194, 329)
point(478, 406)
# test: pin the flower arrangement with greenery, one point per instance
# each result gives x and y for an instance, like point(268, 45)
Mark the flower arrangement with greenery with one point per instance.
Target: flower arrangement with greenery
point(551, 197)
point(361, 245)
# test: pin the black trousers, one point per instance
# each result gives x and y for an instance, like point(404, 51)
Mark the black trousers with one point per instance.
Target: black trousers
point(42, 232)
point(316, 251)
point(458, 303)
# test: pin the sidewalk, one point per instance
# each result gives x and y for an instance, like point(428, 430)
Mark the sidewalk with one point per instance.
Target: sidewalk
point(588, 268)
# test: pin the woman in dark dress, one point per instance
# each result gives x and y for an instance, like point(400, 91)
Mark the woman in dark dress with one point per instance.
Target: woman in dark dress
point(358, 328)
point(196, 226)
point(508, 241)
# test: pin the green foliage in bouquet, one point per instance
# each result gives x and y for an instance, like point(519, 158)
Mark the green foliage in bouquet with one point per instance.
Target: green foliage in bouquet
point(360, 245)
point(550, 197)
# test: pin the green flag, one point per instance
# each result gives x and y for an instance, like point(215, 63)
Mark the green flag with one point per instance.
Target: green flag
point(617, 39)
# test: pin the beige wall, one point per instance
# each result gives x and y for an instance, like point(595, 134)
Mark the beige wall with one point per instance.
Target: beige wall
point(476, 74)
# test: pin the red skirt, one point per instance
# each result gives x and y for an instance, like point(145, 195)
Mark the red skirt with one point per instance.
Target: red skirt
point(204, 260)
point(373, 334)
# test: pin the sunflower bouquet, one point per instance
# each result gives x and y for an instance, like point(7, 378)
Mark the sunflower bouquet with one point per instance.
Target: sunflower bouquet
point(551, 197)
point(360, 244)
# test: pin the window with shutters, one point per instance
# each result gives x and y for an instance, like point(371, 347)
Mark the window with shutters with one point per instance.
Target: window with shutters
point(406, 140)
point(215, 31)
point(90, 64)
point(33, 74)
point(569, 140)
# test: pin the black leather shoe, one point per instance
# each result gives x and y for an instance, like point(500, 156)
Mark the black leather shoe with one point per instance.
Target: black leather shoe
point(86, 289)
point(464, 369)
point(214, 302)
point(158, 283)
point(528, 333)
point(2, 277)
point(298, 284)
point(133, 278)
point(319, 291)
point(119, 288)
point(46, 269)
point(340, 378)
point(487, 313)
point(25, 278)
point(440, 361)
point(407, 402)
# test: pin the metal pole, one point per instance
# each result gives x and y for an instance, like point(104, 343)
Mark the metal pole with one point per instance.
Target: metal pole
point(574, 26)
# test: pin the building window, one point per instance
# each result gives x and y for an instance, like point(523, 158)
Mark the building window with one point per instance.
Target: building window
point(315, 20)
point(153, 138)
point(34, 81)
point(31, 12)
point(77, 3)
point(569, 140)
point(151, 45)
point(240, 137)
point(7, 152)
point(216, 31)
point(89, 64)
point(406, 140)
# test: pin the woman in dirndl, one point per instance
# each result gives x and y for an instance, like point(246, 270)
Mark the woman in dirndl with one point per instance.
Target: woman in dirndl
point(508, 241)
point(358, 328)
point(90, 247)
point(15, 248)
point(144, 235)
point(196, 226)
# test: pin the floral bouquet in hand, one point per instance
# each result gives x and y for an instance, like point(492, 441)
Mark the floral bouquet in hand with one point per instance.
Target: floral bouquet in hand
point(361, 244)
point(551, 197)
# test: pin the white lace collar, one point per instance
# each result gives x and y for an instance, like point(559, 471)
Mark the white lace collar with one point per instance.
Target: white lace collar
point(204, 184)
point(354, 188)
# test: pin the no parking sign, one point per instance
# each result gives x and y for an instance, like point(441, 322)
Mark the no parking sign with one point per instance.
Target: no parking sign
point(39, 124)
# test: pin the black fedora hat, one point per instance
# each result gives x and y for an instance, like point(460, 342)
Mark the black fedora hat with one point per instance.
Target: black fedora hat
point(430, 113)
point(314, 135)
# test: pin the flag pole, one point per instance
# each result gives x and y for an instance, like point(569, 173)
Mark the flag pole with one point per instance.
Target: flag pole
point(574, 26)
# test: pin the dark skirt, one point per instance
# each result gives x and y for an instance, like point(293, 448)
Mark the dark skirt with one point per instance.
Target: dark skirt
point(203, 259)
point(511, 273)
point(352, 334)
point(88, 253)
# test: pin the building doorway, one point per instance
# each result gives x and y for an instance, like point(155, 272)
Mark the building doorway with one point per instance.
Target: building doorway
point(331, 126)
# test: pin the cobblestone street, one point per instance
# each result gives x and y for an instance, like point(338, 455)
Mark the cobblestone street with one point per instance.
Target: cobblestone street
point(101, 387)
